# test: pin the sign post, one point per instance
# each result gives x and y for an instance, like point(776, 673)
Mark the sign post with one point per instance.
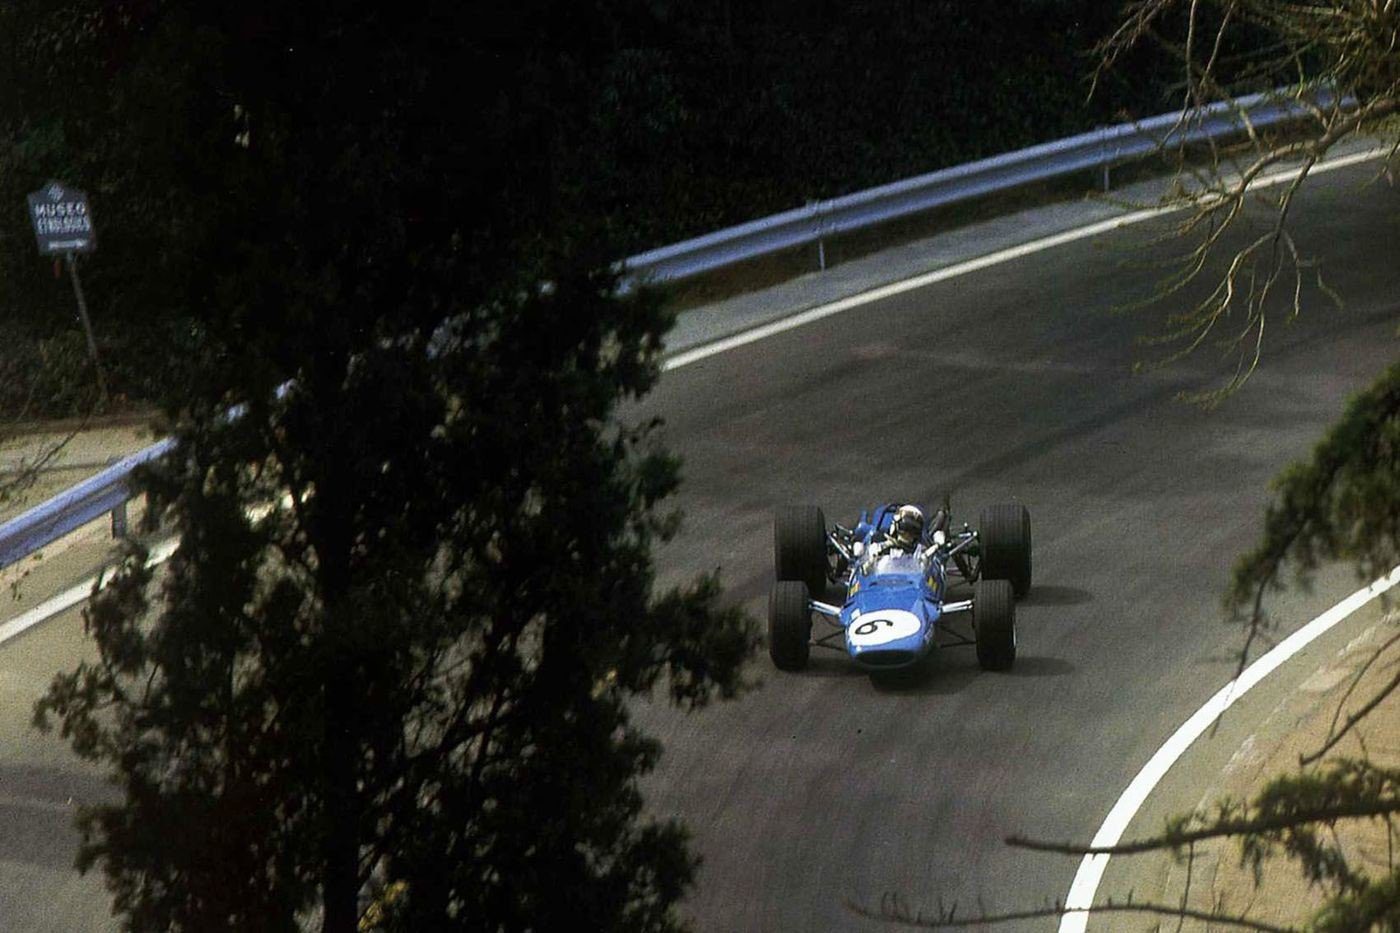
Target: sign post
point(63, 224)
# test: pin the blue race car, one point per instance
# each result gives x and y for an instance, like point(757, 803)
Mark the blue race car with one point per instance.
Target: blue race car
point(895, 566)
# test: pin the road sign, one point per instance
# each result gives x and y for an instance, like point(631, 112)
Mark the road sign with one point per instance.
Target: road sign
point(62, 221)
point(63, 224)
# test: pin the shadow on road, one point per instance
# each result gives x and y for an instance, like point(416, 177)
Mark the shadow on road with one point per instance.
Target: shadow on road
point(956, 670)
point(943, 672)
point(828, 663)
point(1041, 595)
point(1041, 667)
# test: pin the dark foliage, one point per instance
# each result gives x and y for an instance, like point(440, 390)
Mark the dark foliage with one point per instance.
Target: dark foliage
point(388, 668)
point(667, 119)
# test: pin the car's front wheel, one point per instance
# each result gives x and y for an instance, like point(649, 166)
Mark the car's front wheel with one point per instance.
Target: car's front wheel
point(1004, 541)
point(789, 625)
point(994, 619)
point(799, 546)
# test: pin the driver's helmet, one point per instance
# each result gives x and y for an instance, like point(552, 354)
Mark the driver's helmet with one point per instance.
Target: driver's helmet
point(907, 528)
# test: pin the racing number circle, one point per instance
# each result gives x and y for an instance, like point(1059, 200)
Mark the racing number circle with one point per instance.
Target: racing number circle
point(877, 628)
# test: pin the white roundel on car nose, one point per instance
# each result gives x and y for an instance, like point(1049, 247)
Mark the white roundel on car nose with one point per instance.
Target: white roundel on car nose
point(880, 626)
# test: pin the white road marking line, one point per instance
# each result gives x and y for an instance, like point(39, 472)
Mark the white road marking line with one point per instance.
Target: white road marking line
point(74, 595)
point(1091, 869)
point(685, 358)
point(47, 609)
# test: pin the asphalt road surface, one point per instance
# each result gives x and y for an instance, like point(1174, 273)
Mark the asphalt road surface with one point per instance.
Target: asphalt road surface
point(823, 788)
point(41, 786)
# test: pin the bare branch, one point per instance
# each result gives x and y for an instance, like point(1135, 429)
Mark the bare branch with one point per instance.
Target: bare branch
point(1136, 25)
point(1221, 829)
point(892, 911)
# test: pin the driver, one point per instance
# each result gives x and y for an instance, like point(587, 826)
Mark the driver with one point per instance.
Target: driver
point(904, 534)
point(907, 528)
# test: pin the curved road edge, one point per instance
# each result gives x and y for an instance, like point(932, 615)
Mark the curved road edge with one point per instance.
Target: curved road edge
point(1080, 899)
point(704, 332)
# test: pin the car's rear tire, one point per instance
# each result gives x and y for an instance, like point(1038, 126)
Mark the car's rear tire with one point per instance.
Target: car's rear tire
point(799, 546)
point(994, 620)
point(789, 625)
point(1004, 541)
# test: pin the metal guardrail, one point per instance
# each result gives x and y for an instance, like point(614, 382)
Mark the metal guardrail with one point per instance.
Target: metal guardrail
point(1099, 149)
point(105, 492)
point(108, 491)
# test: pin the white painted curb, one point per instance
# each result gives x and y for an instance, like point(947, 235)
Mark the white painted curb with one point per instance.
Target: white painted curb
point(1091, 869)
point(74, 595)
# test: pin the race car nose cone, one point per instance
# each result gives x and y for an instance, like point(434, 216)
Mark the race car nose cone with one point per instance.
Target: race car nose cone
point(886, 638)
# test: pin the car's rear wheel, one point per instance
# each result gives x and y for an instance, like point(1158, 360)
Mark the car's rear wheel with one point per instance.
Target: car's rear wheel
point(799, 546)
point(789, 625)
point(1004, 541)
point(994, 619)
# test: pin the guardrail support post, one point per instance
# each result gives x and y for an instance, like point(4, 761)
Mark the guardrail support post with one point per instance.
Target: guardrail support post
point(1104, 157)
point(816, 227)
point(1086, 156)
point(119, 526)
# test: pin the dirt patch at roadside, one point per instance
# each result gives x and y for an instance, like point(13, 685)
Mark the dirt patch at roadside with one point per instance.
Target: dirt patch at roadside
point(1298, 726)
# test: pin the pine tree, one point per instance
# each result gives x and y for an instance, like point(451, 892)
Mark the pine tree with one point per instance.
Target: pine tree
point(386, 675)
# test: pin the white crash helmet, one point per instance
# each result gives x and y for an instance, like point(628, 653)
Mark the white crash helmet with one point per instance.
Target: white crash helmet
point(907, 528)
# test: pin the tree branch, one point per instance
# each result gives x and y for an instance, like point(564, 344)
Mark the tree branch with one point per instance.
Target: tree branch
point(893, 912)
point(1222, 829)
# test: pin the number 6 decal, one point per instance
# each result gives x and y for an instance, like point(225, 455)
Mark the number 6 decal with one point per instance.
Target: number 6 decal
point(885, 625)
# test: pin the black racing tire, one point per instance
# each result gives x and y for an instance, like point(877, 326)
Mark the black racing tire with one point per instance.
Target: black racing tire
point(789, 625)
point(1004, 541)
point(799, 546)
point(994, 621)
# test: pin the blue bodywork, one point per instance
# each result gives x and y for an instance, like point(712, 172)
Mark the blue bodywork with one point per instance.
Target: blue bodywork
point(893, 602)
